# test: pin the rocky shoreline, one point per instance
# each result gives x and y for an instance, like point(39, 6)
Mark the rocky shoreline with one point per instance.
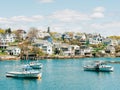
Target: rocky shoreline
point(6, 57)
point(9, 58)
point(61, 57)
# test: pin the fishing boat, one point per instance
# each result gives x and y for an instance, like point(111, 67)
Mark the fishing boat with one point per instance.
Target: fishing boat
point(36, 65)
point(27, 72)
point(99, 66)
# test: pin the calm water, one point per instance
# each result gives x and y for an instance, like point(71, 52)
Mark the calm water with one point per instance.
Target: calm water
point(62, 75)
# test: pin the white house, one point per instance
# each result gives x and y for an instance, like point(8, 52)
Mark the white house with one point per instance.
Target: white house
point(107, 41)
point(95, 40)
point(110, 49)
point(47, 48)
point(7, 38)
point(22, 33)
point(42, 34)
point(13, 50)
point(44, 45)
point(75, 49)
point(3, 44)
point(56, 45)
point(68, 50)
point(84, 50)
point(118, 42)
point(114, 42)
point(58, 35)
point(83, 36)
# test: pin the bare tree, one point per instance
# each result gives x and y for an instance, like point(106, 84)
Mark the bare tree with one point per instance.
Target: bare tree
point(32, 33)
point(24, 48)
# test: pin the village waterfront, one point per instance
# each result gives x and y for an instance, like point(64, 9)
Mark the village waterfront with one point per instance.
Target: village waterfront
point(67, 74)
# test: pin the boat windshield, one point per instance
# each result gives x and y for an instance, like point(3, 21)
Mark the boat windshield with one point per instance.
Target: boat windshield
point(27, 68)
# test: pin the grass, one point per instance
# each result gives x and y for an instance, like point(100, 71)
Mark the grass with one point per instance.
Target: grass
point(3, 53)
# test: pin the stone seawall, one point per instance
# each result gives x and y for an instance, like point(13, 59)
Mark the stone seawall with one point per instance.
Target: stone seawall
point(9, 58)
point(54, 57)
point(60, 57)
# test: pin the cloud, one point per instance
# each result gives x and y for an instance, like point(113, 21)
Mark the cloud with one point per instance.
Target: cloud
point(61, 28)
point(106, 25)
point(97, 15)
point(21, 18)
point(98, 12)
point(46, 1)
point(13, 19)
point(99, 9)
point(68, 15)
point(26, 19)
point(4, 20)
point(106, 29)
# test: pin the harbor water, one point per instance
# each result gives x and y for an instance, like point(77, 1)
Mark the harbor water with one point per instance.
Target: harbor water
point(58, 74)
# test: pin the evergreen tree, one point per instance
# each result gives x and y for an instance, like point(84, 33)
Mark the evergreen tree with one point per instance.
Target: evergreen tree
point(48, 30)
point(8, 31)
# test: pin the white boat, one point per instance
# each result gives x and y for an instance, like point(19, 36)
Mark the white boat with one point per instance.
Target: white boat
point(27, 72)
point(36, 65)
point(106, 68)
point(100, 66)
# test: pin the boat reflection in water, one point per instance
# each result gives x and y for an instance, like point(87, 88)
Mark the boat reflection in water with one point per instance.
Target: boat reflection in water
point(27, 72)
point(99, 66)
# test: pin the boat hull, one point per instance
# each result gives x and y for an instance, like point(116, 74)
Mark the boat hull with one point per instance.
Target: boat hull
point(88, 68)
point(36, 65)
point(100, 69)
point(106, 68)
point(24, 74)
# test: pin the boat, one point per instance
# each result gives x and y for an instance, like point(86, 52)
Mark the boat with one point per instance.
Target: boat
point(36, 65)
point(99, 66)
point(27, 72)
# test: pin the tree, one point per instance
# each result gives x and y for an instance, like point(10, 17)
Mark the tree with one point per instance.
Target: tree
point(98, 47)
point(117, 48)
point(18, 35)
point(2, 31)
point(70, 34)
point(57, 51)
point(48, 30)
point(87, 42)
point(37, 51)
point(24, 48)
point(8, 31)
point(63, 37)
point(115, 37)
point(32, 32)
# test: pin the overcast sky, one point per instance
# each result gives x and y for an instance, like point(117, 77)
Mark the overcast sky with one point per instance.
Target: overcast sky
point(90, 16)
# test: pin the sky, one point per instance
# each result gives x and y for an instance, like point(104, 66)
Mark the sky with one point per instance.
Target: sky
point(85, 16)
